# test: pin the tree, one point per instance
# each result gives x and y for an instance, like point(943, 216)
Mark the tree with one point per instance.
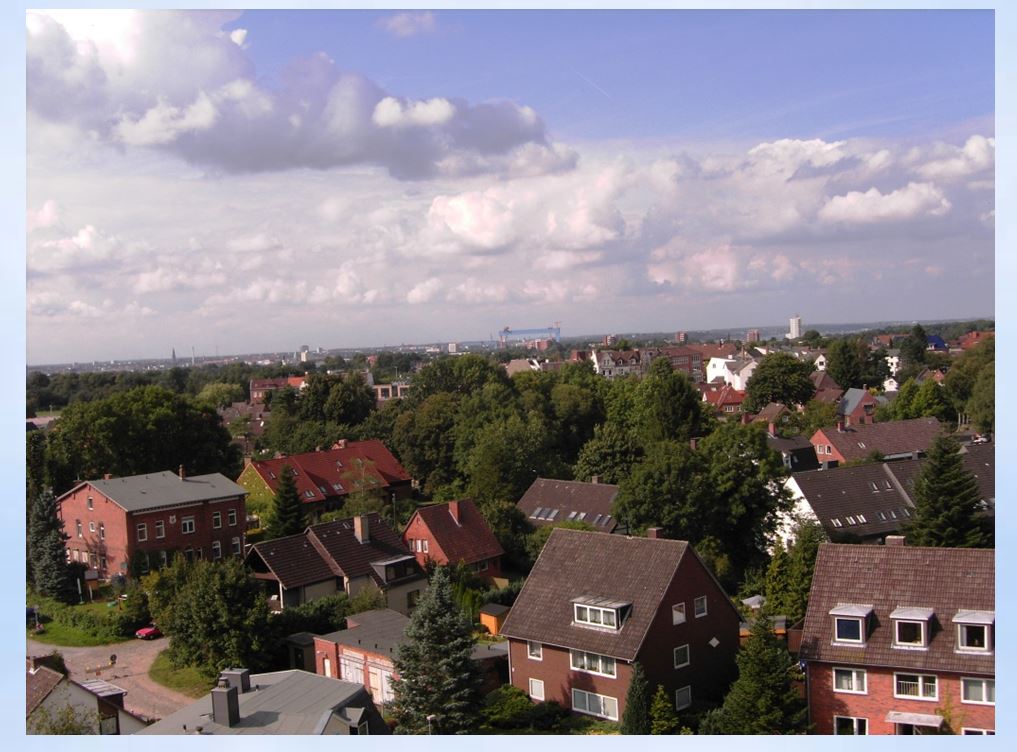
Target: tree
point(218, 394)
point(50, 573)
point(981, 407)
point(779, 377)
point(610, 454)
point(762, 700)
point(789, 577)
point(845, 361)
point(947, 501)
point(507, 457)
point(930, 402)
point(663, 718)
point(817, 414)
point(668, 406)
point(288, 517)
point(636, 718)
point(424, 439)
point(912, 348)
point(665, 489)
point(437, 677)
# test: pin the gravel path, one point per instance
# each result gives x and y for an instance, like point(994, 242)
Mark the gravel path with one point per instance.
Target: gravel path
point(134, 658)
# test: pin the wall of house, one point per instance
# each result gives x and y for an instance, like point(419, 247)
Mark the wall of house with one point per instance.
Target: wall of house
point(204, 533)
point(418, 530)
point(878, 700)
point(377, 668)
point(397, 596)
point(90, 546)
point(259, 495)
point(320, 590)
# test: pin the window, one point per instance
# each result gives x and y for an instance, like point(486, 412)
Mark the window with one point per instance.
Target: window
point(481, 566)
point(829, 450)
point(678, 613)
point(142, 561)
point(849, 680)
point(598, 617)
point(848, 630)
point(978, 691)
point(142, 531)
point(216, 550)
point(973, 637)
point(231, 517)
point(536, 689)
point(918, 686)
point(977, 732)
point(700, 606)
point(187, 524)
point(102, 562)
point(91, 505)
point(836, 522)
point(535, 651)
point(78, 525)
point(102, 531)
point(160, 529)
point(681, 656)
point(163, 559)
point(362, 729)
point(909, 634)
point(845, 726)
point(683, 698)
point(91, 526)
point(309, 494)
point(235, 544)
point(592, 663)
point(592, 704)
point(217, 520)
point(93, 560)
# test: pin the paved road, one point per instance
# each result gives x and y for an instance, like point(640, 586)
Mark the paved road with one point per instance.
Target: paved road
point(134, 658)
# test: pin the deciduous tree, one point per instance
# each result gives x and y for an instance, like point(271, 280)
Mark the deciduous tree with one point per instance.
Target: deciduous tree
point(779, 377)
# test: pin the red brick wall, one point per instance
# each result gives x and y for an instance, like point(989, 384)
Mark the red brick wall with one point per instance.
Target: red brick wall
point(203, 535)
point(419, 531)
point(824, 703)
point(112, 517)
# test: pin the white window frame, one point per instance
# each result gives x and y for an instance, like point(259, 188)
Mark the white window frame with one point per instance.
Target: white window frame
point(160, 529)
point(237, 547)
point(854, 723)
point(845, 640)
point(985, 686)
point(78, 527)
point(600, 702)
point(102, 531)
point(695, 607)
point(184, 525)
point(91, 503)
point(606, 665)
point(216, 520)
point(923, 681)
point(535, 685)
point(923, 631)
point(859, 677)
point(91, 526)
point(589, 610)
point(231, 517)
point(688, 656)
point(679, 702)
point(216, 550)
point(363, 729)
point(537, 655)
point(678, 613)
point(141, 531)
point(961, 647)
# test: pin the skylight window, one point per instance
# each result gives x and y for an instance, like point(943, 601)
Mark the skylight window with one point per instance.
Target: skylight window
point(836, 522)
point(536, 513)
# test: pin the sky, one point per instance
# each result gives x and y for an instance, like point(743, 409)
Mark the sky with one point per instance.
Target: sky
point(254, 181)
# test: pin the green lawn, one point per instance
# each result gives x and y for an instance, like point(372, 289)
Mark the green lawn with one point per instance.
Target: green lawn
point(188, 680)
point(63, 635)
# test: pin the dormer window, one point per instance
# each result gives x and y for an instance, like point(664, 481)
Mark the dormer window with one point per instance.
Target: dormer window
point(599, 612)
point(911, 627)
point(849, 621)
point(974, 631)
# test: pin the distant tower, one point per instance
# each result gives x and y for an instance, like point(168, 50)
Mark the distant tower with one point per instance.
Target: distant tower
point(795, 327)
point(681, 337)
point(174, 356)
point(192, 355)
point(752, 335)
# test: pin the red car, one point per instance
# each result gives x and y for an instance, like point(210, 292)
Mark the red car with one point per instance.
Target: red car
point(148, 633)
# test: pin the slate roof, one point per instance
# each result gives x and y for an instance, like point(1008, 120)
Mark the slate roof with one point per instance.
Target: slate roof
point(38, 685)
point(978, 459)
point(335, 472)
point(573, 500)
point(577, 564)
point(469, 540)
point(946, 580)
point(353, 558)
point(139, 492)
point(293, 560)
point(891, 438)
point(284, 702)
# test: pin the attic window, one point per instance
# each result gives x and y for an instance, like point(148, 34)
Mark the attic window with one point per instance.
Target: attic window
point(596, 520)
point(323, 489)
point(861, 519)
point(974, 630)
point(881, 515)
point(861, 445)
point(536, 513)
point(572, 516)
point(851, 520)
point(875, 488)
point(581, 516)
point(337, 486)
point(911, 627)
point(887, 485)
point(836, 523)
point(849, 623)
point(309, 494)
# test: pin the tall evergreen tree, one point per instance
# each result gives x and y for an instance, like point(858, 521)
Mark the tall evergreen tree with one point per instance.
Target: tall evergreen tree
point(636, 718)
point(762, 699)
point(789, 578)
point(437, 677)
point(50, 573)
point(288, 516)
point(946, 501)
point(663, 718)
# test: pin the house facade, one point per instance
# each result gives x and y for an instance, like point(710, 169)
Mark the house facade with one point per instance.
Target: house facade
point(133, 524)
point(453, 533)
point(594, 604)
point(49, 692)
point(900, 640)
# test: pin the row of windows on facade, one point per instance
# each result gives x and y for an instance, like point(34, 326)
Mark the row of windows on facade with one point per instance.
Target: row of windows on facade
point(974, 628)
point(599, 616)
point(187, 525)
point(603, 706)
point(976, 691)
point(98, 561)
point(604, 665)
point(853, 726)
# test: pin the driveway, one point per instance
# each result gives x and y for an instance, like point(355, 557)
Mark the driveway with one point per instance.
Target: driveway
point(134, 658)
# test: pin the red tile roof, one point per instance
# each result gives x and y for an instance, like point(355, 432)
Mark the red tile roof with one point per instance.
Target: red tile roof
point(467, 539)
point(293, 560)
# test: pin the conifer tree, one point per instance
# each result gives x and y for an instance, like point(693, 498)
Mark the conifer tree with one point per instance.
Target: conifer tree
point(437, 677)
point(663, 718)
point(946, 501)
point(287, 510)
point(762, 700)
point(51, 574)
point(636, 718)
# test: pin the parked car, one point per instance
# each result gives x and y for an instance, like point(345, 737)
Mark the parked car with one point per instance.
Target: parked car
point(148, 633)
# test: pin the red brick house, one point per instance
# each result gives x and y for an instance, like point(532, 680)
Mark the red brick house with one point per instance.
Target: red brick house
point(325, 479)
point(595, 603)
point(261, 387)
point(143, 519)
point(901, 640)
point(448, 534)
point(895, 439)
point(684, 359)
point(858, 406)
point(724, 399)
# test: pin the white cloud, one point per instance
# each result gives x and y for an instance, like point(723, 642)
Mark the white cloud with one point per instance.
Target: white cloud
point(45, 216)
point(409, 24)
point(164, 123)
point(425, 291)
point(913, 200)
point(977, 155)
point(483, 221)
point(391, 113)
point(238, 37)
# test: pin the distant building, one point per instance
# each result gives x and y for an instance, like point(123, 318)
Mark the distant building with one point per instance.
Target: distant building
point(752, 336)
point(681, 337)
point(453, 348)
point(795, 327)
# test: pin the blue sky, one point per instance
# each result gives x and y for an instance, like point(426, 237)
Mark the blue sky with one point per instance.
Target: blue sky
point(349, 178)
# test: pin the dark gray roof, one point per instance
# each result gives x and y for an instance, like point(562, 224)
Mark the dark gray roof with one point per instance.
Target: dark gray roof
point(548, 501)
point(285, 702)
point(137, 492)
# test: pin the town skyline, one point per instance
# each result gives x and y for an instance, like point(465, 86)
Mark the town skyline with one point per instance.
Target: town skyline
point(376, 176)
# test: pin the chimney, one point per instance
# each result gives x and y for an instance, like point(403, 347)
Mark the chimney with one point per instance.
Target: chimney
point(453, 509)
point(693, 442)
point(655, 532)
point(341, 444)
point(594, 479)
point(772, 429)
point(894, 540)
point(182, 473)
point(237, 677)
point(840, 424)
point(225, 704)
point(362, 528)
point(107, 476)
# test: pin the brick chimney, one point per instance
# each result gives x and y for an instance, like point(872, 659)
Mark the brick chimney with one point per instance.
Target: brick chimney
point(453, 509)
point(772, 428)
point(594, 479)
point(840, 424)
point(341, 444)
point(693, 443)
point(182, 473)
point(362, 528)
point(107, 476)
point(655, 532)
point(894, 540)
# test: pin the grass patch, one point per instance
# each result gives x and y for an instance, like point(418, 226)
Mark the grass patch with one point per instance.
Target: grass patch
point(63, 635)
point(187, 680)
